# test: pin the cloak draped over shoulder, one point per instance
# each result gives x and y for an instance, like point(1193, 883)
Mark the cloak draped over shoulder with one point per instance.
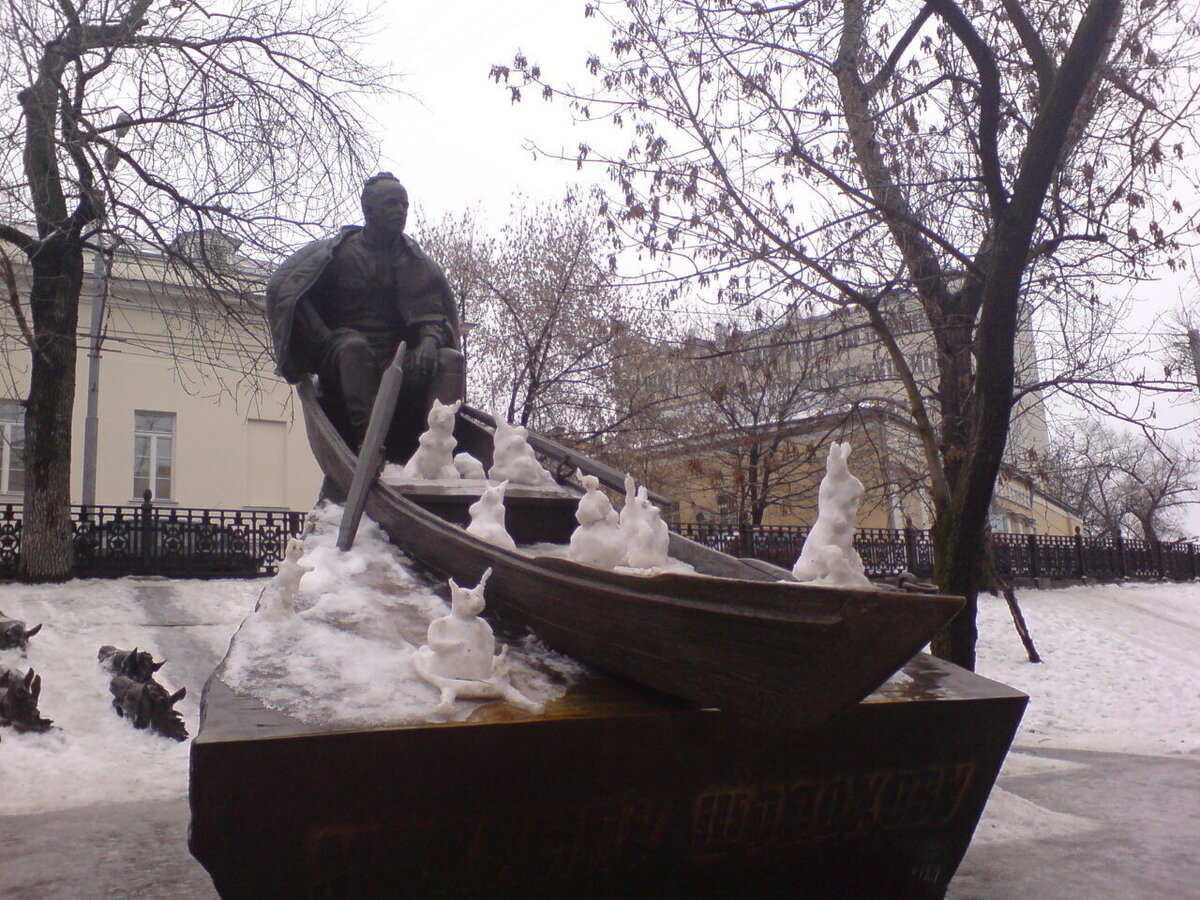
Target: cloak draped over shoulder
point(301, 272)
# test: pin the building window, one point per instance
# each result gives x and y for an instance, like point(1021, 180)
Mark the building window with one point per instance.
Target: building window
point(153, 453)
point(12, 447)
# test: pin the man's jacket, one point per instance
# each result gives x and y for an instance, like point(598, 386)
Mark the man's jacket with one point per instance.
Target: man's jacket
point(300, 273)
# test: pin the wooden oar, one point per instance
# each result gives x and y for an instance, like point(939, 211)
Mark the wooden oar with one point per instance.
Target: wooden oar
point(370, 457)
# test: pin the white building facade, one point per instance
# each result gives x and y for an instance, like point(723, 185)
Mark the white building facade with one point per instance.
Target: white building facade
point(187, 404)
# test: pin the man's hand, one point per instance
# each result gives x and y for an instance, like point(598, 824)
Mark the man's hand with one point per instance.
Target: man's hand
point(424, 360)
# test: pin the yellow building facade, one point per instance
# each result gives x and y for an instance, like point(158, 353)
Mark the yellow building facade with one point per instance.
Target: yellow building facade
point(768, 464)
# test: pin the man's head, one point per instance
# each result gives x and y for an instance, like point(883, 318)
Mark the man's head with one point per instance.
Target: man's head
point(385, 204)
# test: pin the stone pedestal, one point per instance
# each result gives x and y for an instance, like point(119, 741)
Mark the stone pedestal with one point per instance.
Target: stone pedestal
point(615, 792)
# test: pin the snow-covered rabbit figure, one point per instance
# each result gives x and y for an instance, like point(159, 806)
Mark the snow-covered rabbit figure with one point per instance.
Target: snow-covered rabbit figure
point(278, 598)
point(463, 644)
point(469, 467)
point(828, 555)
point(513, 458)
point(460, 657)
point(648, 538)
point(435, 456)
point(599, 539)
point(487, 517)
point(631, 512)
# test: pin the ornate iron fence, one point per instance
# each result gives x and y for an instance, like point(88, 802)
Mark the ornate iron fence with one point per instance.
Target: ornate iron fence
point(206, 543)
point(887, 551)
point(182, 542)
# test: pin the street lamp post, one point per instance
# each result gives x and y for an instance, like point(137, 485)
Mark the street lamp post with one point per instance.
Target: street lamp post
point(91, 424)
point(100, 268)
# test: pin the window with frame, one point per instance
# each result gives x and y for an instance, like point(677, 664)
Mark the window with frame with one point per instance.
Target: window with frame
point(12, 447)
point(153, 453)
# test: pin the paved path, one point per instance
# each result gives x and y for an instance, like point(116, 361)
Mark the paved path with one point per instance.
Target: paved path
point(123, 850)
point(1140, 842)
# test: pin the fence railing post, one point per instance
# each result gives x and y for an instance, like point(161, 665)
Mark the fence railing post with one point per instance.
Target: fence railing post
point(746, 539)
point(910, 548)
point(1122, 568)
point(1079, 572)
point(147, 529)
point(1195, 560)
point(1034, 568)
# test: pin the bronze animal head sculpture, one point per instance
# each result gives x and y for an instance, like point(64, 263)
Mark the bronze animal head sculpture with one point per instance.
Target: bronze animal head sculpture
point(14, 634)
point(148, 705)
point(19, 693)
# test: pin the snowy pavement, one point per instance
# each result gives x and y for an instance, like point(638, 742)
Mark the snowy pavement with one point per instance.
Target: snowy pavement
point(92, 756)
point(1087, 825)
point(1101, 799)
point(109, 850)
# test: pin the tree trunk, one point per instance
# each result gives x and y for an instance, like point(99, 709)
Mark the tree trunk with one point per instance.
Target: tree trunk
point(1149, 532)
point(956, 571)
point(46, 546)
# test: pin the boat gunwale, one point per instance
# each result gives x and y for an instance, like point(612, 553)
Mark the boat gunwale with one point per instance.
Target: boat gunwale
point(767, 600)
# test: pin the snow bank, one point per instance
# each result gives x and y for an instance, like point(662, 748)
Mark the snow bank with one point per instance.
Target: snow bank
point(346, 659)
point(92, 756)
point(1121, 665)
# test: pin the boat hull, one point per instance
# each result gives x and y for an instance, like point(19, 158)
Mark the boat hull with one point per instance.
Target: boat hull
point(782, 653)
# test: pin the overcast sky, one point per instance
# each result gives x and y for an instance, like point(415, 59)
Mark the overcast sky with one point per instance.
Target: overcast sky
point(458, 142)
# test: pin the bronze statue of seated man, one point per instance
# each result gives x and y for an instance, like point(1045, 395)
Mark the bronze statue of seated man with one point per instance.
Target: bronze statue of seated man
point(339, 308)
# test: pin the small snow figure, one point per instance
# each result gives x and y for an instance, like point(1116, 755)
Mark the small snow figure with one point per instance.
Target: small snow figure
point(469, 467)
point(631, 512)
point(828, 556)
point(487, 518)
point(434, 457)
point(647, 537)
point(599, 539)
point(460, 659)
point(513, 459)
point(278, 598)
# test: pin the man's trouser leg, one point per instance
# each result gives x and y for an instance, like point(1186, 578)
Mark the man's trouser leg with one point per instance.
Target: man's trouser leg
point(350, 376)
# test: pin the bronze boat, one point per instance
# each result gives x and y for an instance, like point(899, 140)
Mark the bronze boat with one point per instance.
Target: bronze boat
point(738, 635)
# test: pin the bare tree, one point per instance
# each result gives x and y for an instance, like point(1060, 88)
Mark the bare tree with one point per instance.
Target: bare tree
point(173, 127)
point(741, 408)
point(1181, 345)
point(1121, 480)
point(998, 162)
point(548, 327)
point(465, 249)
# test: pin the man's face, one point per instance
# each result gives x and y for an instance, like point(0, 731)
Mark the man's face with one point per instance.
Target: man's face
point(385, 207)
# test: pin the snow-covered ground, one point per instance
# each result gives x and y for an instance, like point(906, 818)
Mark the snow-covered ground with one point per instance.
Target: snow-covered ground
point(92, 756)
point(345, 658)
point(1120, 669)
point(1120, 674)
